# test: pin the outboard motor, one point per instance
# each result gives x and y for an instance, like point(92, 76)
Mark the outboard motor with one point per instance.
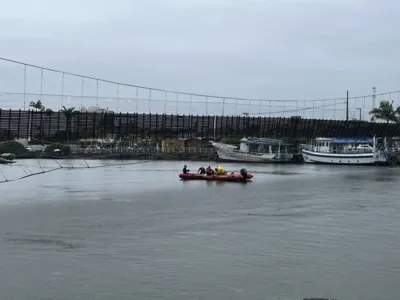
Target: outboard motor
point(243, 172)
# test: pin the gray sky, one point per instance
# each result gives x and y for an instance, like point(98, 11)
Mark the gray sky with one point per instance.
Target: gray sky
point(258, 49)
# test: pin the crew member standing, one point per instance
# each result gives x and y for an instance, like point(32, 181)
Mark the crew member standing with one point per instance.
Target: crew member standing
point(185, 169)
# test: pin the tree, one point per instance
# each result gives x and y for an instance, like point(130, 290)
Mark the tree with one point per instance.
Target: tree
point(13, 147)
point(386, 112)
point(37, 105)
point(69, 113)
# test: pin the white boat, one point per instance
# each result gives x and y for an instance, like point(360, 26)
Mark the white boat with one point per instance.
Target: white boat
point(344, 151)
point(254, 150)
point(7, 158)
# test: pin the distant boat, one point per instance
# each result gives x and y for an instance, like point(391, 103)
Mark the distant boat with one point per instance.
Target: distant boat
point(344, 151)
point(254, 150)
point(7, 158)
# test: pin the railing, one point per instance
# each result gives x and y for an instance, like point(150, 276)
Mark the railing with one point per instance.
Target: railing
point(137, 150)
point(197, 149)
point(358, 151)
point(251, 153)
point(352, 151)
point(393, 149)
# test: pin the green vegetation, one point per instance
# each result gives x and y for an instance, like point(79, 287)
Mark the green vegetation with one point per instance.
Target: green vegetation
point(66, 150)
point(40, 107)
point(386, 112)
point(13, 147)
point(37, 105)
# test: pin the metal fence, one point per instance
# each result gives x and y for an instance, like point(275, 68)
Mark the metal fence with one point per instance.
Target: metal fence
point(58, 126)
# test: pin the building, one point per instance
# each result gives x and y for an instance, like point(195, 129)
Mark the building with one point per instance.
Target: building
point(172, 145)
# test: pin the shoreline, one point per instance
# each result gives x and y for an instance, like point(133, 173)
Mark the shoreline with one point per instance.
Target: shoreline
point(181, 158)
point(147, 156)
point(122, 156)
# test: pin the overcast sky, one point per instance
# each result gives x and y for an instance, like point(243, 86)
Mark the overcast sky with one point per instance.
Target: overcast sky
point(264, 49)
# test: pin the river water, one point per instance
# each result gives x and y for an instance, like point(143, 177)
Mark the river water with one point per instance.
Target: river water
point(138, 232)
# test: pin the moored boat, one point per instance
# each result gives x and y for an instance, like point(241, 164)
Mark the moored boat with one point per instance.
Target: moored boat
point(344, 151)
point(259, 150)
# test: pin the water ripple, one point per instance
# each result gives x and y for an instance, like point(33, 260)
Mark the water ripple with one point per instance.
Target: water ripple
point(139, 232)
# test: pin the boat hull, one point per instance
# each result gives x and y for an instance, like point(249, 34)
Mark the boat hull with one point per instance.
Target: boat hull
point(7, 161)
point(313, 157)
point(228, 177)
point(244, 157)
point(236, 156)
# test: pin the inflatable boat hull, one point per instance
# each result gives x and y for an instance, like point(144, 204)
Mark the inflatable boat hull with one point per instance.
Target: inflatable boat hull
point(228, 177)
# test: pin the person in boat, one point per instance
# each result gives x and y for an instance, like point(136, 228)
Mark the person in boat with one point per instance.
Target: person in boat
point(243, 172)
point(209, 171)
point(185, 169)
point(220, 170)
point(201, 171)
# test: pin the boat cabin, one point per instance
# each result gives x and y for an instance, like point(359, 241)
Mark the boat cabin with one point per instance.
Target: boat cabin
point(260, 145)
point(343, 145)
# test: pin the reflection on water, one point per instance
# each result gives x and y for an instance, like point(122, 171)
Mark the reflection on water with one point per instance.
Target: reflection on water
point(138, 232)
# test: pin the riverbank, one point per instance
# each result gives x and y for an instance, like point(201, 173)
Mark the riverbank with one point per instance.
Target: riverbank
point(124, 156)
point(140, 156)
point(177, 156)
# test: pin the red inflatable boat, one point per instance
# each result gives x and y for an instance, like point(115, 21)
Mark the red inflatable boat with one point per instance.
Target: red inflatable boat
point(228, 177)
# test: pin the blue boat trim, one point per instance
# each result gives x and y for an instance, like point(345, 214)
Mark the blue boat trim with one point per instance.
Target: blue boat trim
point(343, 163)
point(344, 156)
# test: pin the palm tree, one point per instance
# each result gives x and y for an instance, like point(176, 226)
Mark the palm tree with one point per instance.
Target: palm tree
point(69, 113)
point(37, 105)
point(385, 112)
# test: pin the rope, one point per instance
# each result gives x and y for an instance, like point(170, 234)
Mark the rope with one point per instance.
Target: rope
point(84, 165)
point(174, 92)
point(71, 167)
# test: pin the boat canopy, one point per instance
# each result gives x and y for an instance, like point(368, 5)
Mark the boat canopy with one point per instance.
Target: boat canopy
point(261, 141)
point(352, 141)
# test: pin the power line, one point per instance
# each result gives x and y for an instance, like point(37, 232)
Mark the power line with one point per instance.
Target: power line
point(299, 109)
point(295, 109)
point(171, 100)
point(177, 92)
point(153, 99)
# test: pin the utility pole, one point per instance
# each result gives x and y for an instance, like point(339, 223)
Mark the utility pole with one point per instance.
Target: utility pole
point(347, 105)
point(359, 110)
point(373, 97)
